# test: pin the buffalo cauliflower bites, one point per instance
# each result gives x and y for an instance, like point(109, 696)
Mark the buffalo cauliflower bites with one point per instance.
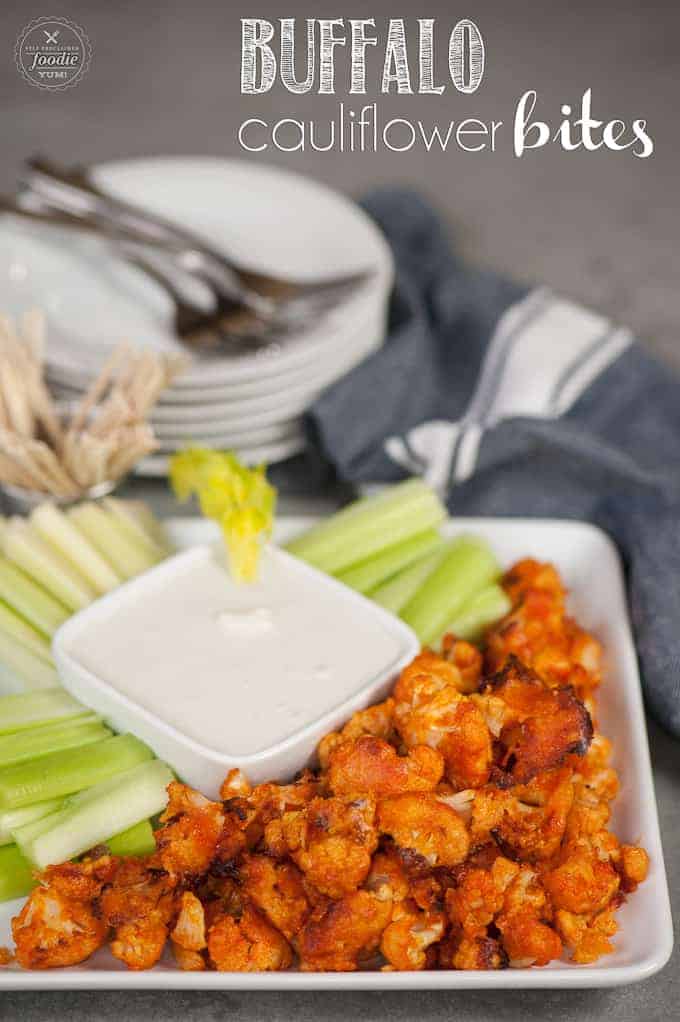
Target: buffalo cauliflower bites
point(459, 824)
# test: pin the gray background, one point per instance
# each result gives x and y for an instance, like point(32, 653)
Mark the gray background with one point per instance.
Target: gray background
point(601, 227)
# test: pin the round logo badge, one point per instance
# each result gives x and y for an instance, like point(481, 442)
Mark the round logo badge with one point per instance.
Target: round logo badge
point(53, 53)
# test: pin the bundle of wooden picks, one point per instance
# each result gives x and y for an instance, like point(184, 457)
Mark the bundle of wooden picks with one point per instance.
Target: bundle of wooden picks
point(99, 441)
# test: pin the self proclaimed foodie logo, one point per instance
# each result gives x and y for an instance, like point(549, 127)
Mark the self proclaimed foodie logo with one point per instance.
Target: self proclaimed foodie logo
point(53, 53)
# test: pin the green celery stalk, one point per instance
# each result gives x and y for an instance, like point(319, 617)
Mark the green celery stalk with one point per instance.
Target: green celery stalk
point(26, 832)
point(127, 557)
point(483, 610)
point(131, 524)
point(146, 519)
point(140, 793)
point(468, 566)
point(16, 874)
point(396, 592)
point(16, 627)
point(59, 532)
point(137, 840)
point(32, 709)
point(32, 670)
point(374, 571)
point(24, 745)
point(61, 773)
point(30, 600)
point(13, 818)
point(23, 545)
point(368, 526)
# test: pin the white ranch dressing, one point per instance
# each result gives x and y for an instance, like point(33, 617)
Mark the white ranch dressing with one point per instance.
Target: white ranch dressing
point(238, 668)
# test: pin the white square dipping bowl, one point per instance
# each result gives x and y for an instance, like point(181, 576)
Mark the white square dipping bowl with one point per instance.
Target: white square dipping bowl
point(197, 764)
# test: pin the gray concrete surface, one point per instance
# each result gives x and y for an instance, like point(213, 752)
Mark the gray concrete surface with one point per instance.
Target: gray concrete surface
point(602, 227)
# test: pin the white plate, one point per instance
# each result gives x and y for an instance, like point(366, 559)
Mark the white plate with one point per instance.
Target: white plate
point(249, 436)
point(178, 403)
point(156, 465)
point(591, 568)
point(269, 219)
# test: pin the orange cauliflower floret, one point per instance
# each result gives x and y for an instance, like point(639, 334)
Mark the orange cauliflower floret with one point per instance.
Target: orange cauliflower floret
point(187, 843)
point(58, 925)
point(407, 940)
point(248, 944)
point(339, 934)
point(524, 923)
point(138, 906)
point(277, 890)
point(372, 765)
point(430, 710)
point(424, 828)
point(539, 726)
point(375, 721)
point(331, 841)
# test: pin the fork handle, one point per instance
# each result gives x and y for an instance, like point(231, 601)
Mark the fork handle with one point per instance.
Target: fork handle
point(74, 192)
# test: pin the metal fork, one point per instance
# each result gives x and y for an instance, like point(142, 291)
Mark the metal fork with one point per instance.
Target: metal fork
point(283, 303)
point(225, 322)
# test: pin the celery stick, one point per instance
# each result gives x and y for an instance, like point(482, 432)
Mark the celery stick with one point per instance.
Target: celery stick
point(483, 610)
point(131, 525)
point(140, 794)
point(32, 670)
point(136, 840)
point(28, 551)
point(59, 532)
point(468, 566)
point(13, 818)
point(38, 742)
point(31, 709)
point(26, 832)
point(368, 526)
point(29, 599)
point(13, 625)
point(16, 874)
point(145, 517)
point(126, 556)
point(60, 773)
point(375, 570)
point(396, 592)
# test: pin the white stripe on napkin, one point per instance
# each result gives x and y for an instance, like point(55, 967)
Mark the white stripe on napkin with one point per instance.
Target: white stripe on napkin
point(545, 352)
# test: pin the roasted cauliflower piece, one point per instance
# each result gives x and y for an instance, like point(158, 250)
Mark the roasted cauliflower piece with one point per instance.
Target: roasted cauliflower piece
point(539, 632)
point(408, 938)
point(524, 923)
point(340, 934)
point(371, 765)
point(331, 841)
point(277, 889)
point(247, 944)
point(189, 928)
point(426, 830)
point(430, 710)
point(138, 906)
point(540, 726)
point(59, 925)
point(587, 937)
point(474, 902)
point(187, 843)
point(376, 721)
point(473, 953)
point(467, 658)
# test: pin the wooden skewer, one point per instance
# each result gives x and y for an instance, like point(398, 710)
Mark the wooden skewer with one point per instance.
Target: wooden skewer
point(106, 435)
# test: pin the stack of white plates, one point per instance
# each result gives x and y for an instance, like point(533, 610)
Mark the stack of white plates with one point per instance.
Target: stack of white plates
point(270, 220)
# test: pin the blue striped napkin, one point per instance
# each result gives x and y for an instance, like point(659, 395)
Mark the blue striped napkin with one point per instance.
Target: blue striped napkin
point(516, 401)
